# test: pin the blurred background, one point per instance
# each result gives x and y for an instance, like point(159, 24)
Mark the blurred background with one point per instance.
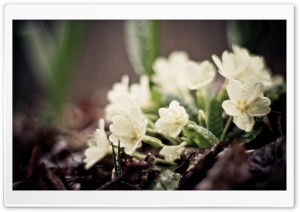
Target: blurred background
point(57, 62)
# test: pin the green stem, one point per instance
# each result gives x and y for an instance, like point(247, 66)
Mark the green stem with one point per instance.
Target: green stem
point(151, 131)
point(151, 124)
point(151, 117)
point(153, 141)
point(226, 128)
point(114, 159)
point(222, 92)
point(140, 156)
point(170, 139)
point(200, 99)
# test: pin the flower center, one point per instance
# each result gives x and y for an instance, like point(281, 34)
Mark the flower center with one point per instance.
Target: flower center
point(136, 134)
point(179, 120)
point(242, 106)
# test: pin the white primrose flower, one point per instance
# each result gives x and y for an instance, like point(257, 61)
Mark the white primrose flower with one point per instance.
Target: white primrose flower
point(246, 101)
point(241, 65)
point(198, 75)
point(118, 89)
point(172, 153)
point(99, 146)
point(129, 129)
point(121, 105)
point(172, 119)
point(142, 92)
point(169, 73)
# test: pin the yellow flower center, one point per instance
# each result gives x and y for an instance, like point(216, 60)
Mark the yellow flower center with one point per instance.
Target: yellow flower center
point(179, 120)
point(136, 134)
point(242, 106)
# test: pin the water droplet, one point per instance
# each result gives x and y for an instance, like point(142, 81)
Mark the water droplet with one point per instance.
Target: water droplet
point(244, 93)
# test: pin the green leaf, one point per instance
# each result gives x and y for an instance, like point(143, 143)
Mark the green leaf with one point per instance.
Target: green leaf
point(275, 92)
point(64, 66)
point(191, 109)
point(54, 53)
point(256, 130)
point(166, 180)
point(199, 136)
point(243, 33)
point(214, 117)
point(142, 41)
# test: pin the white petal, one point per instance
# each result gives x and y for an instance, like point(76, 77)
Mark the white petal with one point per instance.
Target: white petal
point(199, 74)
point(174, 104)
point(129, 149)
point(161, 65)
point(234, 90)
point(93, 155)
point(241, 53)
point(229, 63)
point(252, 89)
point(178, 57)
point(170, 153)
point(244, 122)
point(163, 125)
point(101, 124)
point(260, 106)
point(175, 132)
point(218, 63)
point(230, 108)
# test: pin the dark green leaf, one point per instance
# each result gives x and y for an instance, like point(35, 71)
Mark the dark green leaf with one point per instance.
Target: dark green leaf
point(142, 41)
point(214, 119)
point(199, 136)
point(243, 32)
point(166, 180)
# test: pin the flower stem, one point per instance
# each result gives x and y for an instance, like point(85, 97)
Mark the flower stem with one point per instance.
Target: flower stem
point(151, 131)
point(140, 156)
point(170, 139)
point(151, 124)
point(222, 92)
point(226, 128)
point(155, 142)
point(200, 99)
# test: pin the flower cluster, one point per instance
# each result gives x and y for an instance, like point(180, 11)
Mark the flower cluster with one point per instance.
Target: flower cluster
point(136, 116)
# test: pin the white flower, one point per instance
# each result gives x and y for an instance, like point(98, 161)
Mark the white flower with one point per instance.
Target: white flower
point(172, 153)
point(198, 75)
point(240, 65)
point(246, 101)
point(99, 146)
point(172, 119)
point(119, 89)
point(121, 105)
point(129, 129)
point(170, 72)
point(142, 92)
